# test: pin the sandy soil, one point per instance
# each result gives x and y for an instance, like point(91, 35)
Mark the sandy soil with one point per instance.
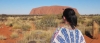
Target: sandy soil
point(90, 40)
point(4, 30)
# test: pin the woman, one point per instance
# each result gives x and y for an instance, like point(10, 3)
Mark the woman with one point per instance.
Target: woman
point(68, 33)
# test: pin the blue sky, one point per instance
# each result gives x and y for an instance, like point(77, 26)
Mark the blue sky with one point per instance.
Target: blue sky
point(25, 6)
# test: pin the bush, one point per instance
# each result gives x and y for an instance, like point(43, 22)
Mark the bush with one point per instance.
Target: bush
point(80, 20)
point(89, 23)
point(2, 37)
point(31, 19)
point(59, 16)
point(9, 23)
point(21, 25)
point(14, 35)
point(38, 36)
point(17, 26)
point(26, 27)
point(46, 21)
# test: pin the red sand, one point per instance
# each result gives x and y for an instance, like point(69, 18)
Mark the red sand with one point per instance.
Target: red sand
point(6, 32)
point(89, 40)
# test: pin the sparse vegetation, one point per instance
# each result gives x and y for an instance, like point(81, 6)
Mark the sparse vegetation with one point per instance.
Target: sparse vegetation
point(20, 24)
point(26, 27)
point(46, 21)
point(2, 37)
point(14, 35)
point(38, 36)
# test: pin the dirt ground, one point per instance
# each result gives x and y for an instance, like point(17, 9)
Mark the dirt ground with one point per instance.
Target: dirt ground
point(90, 40)
point(4, 30)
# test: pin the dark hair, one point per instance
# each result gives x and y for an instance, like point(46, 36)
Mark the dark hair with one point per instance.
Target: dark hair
point(70, 16)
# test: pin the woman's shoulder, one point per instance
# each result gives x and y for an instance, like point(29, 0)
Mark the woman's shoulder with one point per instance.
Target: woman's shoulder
point(67, 29)
point(78, 31)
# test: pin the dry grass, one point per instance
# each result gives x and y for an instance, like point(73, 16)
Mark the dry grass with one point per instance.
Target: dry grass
point(19, 24)
point(46, 21)
point(39, 36)
point(2, 37)
point(14, 35)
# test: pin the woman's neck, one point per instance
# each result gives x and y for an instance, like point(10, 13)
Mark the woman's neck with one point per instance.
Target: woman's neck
point(67, 25)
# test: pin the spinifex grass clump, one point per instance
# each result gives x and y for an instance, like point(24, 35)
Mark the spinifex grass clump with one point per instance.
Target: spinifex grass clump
point(19, 24)
point(38, 36)
point(46, 22)
point(14, 35)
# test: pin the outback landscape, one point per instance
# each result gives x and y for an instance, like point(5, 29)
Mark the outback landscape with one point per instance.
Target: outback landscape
point(39, 25)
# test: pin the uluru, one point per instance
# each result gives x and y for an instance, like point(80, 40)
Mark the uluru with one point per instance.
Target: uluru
point(46, 10)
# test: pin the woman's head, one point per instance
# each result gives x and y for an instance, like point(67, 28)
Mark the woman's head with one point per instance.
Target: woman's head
point(70, 17)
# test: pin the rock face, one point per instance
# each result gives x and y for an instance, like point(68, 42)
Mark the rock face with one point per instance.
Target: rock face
point(50, 10)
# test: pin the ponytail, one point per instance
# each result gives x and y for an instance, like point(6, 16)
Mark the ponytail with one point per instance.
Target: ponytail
point(70, 16)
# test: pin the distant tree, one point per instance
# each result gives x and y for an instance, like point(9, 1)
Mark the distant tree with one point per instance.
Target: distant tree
point(3, 17)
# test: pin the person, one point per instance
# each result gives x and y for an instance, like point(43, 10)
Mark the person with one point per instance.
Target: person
point(68, 33)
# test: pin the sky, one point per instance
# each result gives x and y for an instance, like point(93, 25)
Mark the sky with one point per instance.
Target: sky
point(25, 6)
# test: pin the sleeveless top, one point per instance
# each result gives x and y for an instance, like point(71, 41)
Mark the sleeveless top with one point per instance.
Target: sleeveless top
point(64, 35)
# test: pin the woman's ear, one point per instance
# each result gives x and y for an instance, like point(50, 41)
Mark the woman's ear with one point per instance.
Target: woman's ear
point(64, 18)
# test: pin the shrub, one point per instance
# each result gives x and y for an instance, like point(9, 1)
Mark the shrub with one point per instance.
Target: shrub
point(89, 23)
point(17, 26)
point(59, 16)
point(26, 27)
point(38, 36)
point(80, 20)
point(31, 19)
point(9, 23)
point(2, 37)
point(24, 18)
point(14, 35)
point(46, 21)
point(21, 25)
